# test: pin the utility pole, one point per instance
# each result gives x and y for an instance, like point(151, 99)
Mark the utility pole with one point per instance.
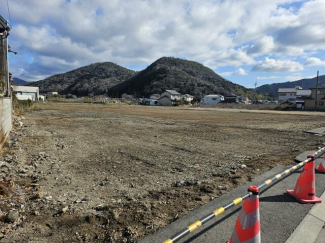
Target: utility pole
point(316, 91)
point(255, 89)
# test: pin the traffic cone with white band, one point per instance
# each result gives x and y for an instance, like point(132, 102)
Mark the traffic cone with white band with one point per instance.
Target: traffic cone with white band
point(321, 167)
point(305, 190)
point(247, 227)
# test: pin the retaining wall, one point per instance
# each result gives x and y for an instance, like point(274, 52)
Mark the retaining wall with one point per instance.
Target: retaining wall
point(5, 119)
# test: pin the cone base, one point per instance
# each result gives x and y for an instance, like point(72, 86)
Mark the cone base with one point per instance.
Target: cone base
point(320, 170)
point(304, 201)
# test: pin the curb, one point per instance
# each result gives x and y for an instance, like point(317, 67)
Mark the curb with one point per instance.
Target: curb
point(310, 227)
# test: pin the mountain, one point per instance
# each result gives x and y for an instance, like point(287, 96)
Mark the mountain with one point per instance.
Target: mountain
point(186, 77)
point(94, 79)
point(304, 83)
point(19, 81)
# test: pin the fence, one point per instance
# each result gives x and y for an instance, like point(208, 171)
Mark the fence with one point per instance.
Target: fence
point(191, 228)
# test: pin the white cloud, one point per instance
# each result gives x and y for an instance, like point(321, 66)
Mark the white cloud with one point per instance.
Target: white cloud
point(214, 32)
point(239, 72)
point(230, 57)
point(262, 46)
point(226, 74)
point(277, 66)
point(268, 77)
point(308, 32)
point(314, 61)
point(294, 77)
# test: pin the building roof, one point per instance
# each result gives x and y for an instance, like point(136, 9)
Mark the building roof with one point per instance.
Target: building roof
point(173, 92)
point(304, 92)
point(213, 95)
point(287, 90)
point(188, 96)
point(155, 96)
point(27, 89)
point(319, 86)
point(164, 97)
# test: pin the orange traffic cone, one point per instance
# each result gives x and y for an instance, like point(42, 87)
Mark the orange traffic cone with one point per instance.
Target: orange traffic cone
point(321, 167)
point(247, 227)
point(304, 190)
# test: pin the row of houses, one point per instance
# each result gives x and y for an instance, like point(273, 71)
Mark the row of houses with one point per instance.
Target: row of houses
point(305, 99)
point(169, 98)
point(172, 97)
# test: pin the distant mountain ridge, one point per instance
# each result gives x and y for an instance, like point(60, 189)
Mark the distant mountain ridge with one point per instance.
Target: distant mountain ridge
point(94, 79)
point(20, 81)
point(304, 83)
point(186, 77)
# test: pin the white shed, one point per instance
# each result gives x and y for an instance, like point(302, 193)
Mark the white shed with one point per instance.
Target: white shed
point(26, 92)
point(213, 99)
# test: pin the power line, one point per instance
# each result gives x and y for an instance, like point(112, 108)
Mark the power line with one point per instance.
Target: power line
point(9, 12)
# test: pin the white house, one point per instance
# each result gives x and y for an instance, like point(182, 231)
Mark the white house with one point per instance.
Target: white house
point(288, 94)
point(172, 94)
point(165, 101)
point(26, 92)
point(213, 99)
point(187, 97)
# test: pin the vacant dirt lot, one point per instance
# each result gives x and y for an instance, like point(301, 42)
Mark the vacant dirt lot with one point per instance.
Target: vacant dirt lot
point(114, 173)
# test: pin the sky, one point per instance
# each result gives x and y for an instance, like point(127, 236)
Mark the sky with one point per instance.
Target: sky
point(245, 41)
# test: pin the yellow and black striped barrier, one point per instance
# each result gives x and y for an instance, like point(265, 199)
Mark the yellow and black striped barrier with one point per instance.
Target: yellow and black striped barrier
point(191, 228)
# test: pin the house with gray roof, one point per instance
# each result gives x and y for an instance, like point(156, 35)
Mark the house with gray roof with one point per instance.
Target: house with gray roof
point(172, 94)
point(155, 96)
point(288, 94)
point(165, 101)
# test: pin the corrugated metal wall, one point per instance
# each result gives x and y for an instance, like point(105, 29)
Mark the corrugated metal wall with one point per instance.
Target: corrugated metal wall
point(5, 119)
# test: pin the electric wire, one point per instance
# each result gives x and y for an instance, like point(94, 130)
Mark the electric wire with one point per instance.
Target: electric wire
point(9, 12)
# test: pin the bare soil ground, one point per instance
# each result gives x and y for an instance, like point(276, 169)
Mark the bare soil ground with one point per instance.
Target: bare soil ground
point(115, 173)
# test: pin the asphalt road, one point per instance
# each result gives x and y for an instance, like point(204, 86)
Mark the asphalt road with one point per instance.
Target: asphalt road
point(280, 213)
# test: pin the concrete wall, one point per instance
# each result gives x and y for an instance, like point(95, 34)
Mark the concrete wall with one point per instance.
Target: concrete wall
point(5, 119)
